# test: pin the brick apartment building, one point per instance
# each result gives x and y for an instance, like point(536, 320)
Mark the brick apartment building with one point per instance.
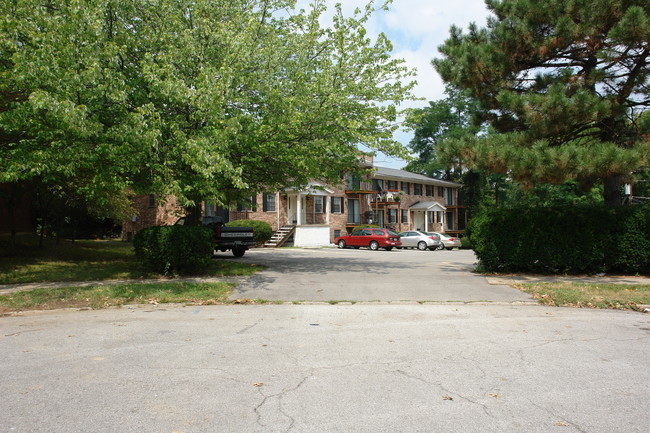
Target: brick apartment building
point(319, 213)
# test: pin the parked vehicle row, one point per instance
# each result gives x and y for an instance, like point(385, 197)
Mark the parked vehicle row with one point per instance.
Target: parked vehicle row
point(371, 238)
point(375, 238)
point(421, 241)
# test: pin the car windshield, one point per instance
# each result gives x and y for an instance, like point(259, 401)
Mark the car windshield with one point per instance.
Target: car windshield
point(391, 233)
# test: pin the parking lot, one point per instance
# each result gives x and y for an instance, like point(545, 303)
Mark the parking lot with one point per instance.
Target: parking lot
point(361, 275)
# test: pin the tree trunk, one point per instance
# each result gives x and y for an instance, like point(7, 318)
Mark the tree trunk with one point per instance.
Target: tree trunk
point(193, 217)
point(612, 190)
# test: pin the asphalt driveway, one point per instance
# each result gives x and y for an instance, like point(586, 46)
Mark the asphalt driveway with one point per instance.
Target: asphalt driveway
point(363, 368)
point(331, 274)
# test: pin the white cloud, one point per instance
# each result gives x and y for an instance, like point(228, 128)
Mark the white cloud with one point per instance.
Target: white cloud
point(416, 28)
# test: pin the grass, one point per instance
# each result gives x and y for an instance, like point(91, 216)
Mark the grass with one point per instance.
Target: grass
point(614, 296)
point(86, 260)
point(106, 296)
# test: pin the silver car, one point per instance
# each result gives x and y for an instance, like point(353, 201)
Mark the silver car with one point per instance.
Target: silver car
point(448, 242)
point(419, 240)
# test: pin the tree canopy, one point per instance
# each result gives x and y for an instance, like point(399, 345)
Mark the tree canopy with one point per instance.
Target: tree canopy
point(195, 98)
point(444, 119)
point(562, 82)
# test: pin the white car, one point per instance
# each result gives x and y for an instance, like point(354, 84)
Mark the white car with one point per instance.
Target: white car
point(448, 242)
point(419, 240)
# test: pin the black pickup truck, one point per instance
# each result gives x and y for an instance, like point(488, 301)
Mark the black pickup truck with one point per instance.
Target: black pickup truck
point(237, 239)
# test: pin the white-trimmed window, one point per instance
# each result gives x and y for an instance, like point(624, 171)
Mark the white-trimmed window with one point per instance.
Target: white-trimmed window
point(337, 204)
point(318, 204)
point(268, 202)
point(354, 211)
point(392, 216)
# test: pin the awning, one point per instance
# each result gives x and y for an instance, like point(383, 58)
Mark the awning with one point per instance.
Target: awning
point(428, 206)
point(312, 188)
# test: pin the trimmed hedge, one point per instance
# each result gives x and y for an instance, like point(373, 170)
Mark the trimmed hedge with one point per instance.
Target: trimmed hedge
point(366, 226)
point(176, 249)
point(466, 243)
point(570, 240)
point(263, 230)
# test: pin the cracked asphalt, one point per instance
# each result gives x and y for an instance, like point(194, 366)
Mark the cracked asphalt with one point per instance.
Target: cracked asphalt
point(490, 366)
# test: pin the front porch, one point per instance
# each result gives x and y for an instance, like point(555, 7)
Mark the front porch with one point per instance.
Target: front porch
point(309, 211)
point(428, 216)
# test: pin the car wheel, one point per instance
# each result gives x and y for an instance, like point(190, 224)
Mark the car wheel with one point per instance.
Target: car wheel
point(422, 245)
point(238, 252)
point(341, 243)
point(388, 248)
point(374, 245)
point(441, 247)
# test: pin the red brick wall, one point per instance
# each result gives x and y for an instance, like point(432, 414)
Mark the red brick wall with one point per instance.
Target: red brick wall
point(147, 215)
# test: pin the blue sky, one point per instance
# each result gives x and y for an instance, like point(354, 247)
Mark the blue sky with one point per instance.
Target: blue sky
point(416, 28)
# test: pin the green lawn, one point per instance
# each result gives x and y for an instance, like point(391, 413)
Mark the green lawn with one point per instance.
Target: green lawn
point(85, 261)
point(616, 296)
point(98, 296)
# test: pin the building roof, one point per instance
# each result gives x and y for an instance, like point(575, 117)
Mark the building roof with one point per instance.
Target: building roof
point(427, 205)
point(392, 173)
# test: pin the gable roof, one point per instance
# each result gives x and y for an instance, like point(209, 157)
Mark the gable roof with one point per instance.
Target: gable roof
point(392, 173)
point(427, 205)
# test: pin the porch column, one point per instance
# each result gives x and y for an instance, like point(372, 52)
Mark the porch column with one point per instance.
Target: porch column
point(426, 221)
point(299, 209)
point(327, 202)
point(278, 202)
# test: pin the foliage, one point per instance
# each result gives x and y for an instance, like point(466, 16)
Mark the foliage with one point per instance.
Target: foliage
point(105, 296)
point(85, 261)
point(563, 84)
point(448, 118)
point(571, 239)
point(466, 243)
point(194, 98)
point(632, 245)
point(598, 295)
point(366, 226)
point(169, 250)
point(263, 230)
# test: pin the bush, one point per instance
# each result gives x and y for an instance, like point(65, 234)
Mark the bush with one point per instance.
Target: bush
point(466, 243)
point(366, 226)
point(633, 242)
point(177, 249)
point(263, 230)
point(563, 240)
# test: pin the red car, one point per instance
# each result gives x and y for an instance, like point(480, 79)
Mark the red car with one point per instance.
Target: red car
point(371, 238)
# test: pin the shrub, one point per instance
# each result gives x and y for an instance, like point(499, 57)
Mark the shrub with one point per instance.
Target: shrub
point(366, 226)
point(563, 240)
point(633, 242)
point(263, 230)
point(177, 249)
point(466, 243)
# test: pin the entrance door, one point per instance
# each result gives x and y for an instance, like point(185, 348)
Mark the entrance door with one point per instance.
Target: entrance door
point(292, 208)
point(418, 221)
point(380, 218)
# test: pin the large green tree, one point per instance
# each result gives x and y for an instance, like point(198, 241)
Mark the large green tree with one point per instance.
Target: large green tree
point(441, 120)
point(195, 98)
point(563, 82)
